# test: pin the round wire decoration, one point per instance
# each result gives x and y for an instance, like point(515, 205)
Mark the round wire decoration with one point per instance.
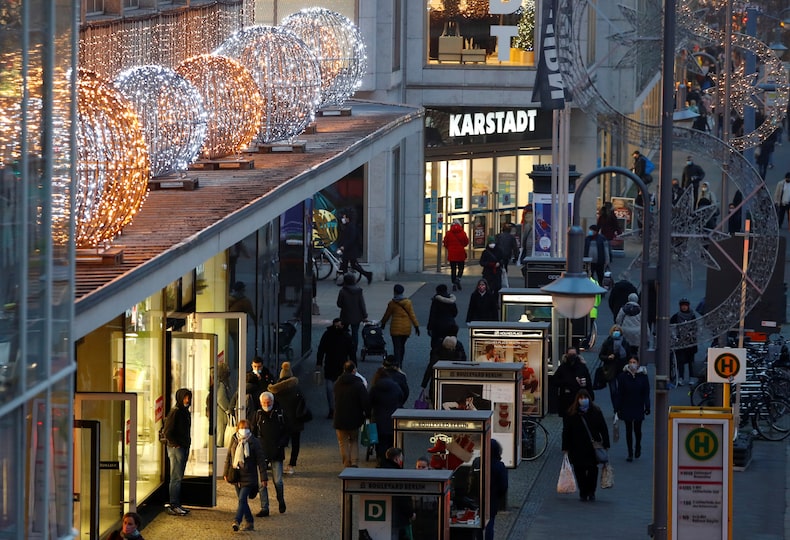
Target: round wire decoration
point(112, 162)
point(338, 45)
point(287, 74)
point(171, 113)
point(232, 100)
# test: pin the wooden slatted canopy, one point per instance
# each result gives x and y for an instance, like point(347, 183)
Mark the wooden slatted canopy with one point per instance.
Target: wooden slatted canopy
point(178, 230)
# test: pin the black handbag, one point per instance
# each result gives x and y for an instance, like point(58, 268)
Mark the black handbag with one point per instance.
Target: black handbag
point(233, 476)
point(599, 379)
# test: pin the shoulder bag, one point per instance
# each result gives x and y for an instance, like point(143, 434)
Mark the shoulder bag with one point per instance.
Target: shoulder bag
point(601, 454)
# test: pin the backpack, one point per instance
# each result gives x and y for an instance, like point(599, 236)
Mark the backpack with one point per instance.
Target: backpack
point(649, 167)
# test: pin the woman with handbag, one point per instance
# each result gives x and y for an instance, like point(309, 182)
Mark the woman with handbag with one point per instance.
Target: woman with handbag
point(582, 426)
point(632, 403)
point(245, 466)
point(614, 356)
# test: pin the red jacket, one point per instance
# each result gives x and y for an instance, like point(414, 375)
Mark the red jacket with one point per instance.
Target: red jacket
point(456, 241)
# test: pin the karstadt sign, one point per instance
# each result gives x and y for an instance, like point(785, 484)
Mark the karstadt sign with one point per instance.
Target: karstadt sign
point(495, 122)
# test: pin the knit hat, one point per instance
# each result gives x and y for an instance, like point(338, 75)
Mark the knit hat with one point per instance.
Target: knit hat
point(633, 297)
point(398, 289)
point(286, 372)
point(492, 240)
point(441, 289)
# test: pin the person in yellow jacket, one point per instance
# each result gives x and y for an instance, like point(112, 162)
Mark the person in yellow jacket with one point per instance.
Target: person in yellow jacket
point(401, 311)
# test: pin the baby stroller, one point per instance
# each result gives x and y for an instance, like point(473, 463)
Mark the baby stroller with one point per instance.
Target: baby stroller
point(285, 335)
point(373, 340)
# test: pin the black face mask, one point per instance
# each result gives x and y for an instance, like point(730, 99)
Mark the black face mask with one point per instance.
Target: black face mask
point(572, 359)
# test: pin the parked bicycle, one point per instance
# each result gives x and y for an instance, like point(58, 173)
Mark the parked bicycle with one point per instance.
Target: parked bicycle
point(534, 438)
point(324, 261)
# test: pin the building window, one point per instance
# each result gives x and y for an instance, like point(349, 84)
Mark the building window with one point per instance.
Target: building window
point(271, 12)
point(94, 7)
point(473, 32)
point(131, 4)
point(396, 34)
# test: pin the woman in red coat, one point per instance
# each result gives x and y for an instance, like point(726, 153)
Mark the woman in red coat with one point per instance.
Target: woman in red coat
point(456, 241)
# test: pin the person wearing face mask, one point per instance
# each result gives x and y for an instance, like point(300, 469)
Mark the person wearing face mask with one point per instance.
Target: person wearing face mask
point(782, 199)
point(632, 403)
point(677, 191)
point(491, 261)
point(708, 198)
point(570, 377)
point(614, 355)
point(130, 526)
point(693, 174)
point(684, 356)
point(177, 431)
point(629, 318)
point(482, 304)
point(582, 423)
point(245, 454)
point(349, 247)
point(271, 428)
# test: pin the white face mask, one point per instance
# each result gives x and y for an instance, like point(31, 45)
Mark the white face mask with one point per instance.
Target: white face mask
point(245, 432)
point(492, 246)
point(344, 221)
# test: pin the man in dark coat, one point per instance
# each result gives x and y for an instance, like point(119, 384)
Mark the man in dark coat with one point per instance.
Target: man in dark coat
point(693, 174)
point(386, 397)
point(441, 318)
point(271, 428)
point(177, 431)
point(289, 395)
point(334, 349)
point(597, 248)
point(570, 377)
point(258, 380)
point(350, 246)
point(351, 406)
point(507, 245)
point(351, 301)
point(393, 371)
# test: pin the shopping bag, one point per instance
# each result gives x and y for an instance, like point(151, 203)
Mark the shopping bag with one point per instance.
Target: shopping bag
point(567, 481)
point(616, 428)
point(607, 476)
point(421, 402)
point(230, 430)
point(369, 434)
point(505, 280)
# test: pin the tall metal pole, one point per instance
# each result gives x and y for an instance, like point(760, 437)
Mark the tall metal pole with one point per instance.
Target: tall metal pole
point(658, 528)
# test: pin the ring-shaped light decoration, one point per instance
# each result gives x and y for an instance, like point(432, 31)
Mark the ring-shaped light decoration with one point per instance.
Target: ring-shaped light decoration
point(338, 45)
point(232, 101)
point(112, 162)
point(287, 73)
point(171, 112)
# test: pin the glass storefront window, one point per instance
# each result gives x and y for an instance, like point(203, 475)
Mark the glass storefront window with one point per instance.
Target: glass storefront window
point(474, 32)
point(271, 12)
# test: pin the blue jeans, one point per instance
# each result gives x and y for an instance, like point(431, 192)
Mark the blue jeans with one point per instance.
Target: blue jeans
point(178, 464)
point(243, 508)
point(399, 348)
point(277, 478)
point(330, 394)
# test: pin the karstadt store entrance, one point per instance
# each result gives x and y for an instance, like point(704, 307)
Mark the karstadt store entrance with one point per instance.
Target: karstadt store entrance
point(477, 162)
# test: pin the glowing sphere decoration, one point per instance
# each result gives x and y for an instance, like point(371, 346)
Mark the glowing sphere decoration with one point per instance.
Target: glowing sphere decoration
point(112, 162)
point(337, 43)
point(231, 99)
point(287, 74)
point(171, 113)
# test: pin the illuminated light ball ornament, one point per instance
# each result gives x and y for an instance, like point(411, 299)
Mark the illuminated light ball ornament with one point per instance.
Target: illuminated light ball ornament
point(231, 99)
point(287, 74)
point(171, 113)
point(337, 43)
point(112, 162)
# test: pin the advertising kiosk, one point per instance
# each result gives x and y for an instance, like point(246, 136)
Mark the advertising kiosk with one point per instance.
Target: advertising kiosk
point(378, 504)
point(458, 441)
point(490, 386)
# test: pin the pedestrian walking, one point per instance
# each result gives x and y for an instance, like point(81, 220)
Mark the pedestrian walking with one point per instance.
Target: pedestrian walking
point(629, 319)
point(684, 356)
point(350, 246)
point(491, 261)
point(619, 294)
point(782, 200)
point(351, 406)
point(632, 403)
point(272, 430)
point(258, 380)
point(497, 487)
point(401, 311)
point(614, 356)
point(394, 372)
point(507, 245)
point(334, 349)
point(130, 528)
point(607, 222)
point(441, 318)
point(584, 423)
point(692, 175)
point(449, 350)
point(386, 396)
point(351, 301)
point(177, 430)
point(596, 247)
point(289, 395)
point(455, 242)
point(245, 468)
point(571, 376)
point(483, 304)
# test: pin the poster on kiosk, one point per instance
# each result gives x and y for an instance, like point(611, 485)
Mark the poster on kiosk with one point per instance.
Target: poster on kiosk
point(521, 343)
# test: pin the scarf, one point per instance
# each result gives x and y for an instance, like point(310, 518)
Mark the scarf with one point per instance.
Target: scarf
point(685, 316)
point(242, 450)
point(618, 348)
point(135, 534)
point(398, 297)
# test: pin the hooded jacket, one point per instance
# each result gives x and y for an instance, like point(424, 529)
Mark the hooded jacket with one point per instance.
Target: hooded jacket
point(351, 402)
point(334, 349)
point(351, 302)
point(179, 421)
point(455, 242)
point(630, 320)
point(289, 396)
point(442, 315)
point(386, 397)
